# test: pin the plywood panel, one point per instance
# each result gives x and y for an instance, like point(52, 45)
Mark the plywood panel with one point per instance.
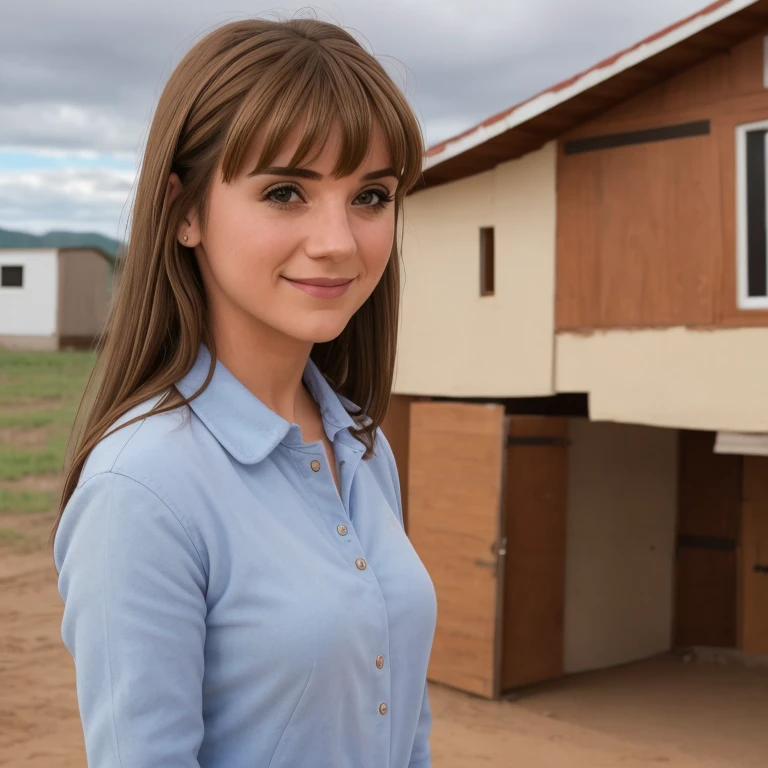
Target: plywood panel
point(746, 65)
point(709, 511)
point(664, 247)
point(755, 479)
point(659, 233)
point(534, 592)
point(455, 486)
point(754, 577)
point(577, 269)
point(709, 490)
point(638, 235)
point(705, 604)
point(396, 427)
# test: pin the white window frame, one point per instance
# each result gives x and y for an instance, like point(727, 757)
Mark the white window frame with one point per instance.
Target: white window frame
point(743, 299)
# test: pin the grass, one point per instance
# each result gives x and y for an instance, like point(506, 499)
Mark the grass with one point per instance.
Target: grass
point(34, 419)
point(39, 389)
point(25, 502)
point(36, 375)
point(6, 534)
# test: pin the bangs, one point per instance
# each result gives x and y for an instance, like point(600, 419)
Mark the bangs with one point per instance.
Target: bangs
point(324, 89)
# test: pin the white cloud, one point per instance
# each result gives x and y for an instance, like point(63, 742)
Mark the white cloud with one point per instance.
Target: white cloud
point(82, 78)
point(76, 199)
point(56, 127)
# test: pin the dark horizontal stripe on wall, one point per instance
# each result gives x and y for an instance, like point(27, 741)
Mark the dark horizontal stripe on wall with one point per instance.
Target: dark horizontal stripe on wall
point(611, 140)
point(706, 542)
point(559, 441)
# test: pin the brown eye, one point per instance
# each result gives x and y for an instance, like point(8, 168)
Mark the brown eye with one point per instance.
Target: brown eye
point(365, 197)
point(373, 198)
point(282, 194)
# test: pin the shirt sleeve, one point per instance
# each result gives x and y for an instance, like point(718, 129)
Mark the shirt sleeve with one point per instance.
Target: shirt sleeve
point(133, 586)
point(421, 755)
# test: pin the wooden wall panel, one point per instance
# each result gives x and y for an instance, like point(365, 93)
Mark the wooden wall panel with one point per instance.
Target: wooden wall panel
point(646, 233)
point(534, 583)
point(754, 556)
point(709, 489)
point(577, 273)
point(638, 235)
point(745, 70)
point(706, 573)
point(396, 427)
point(455, 484)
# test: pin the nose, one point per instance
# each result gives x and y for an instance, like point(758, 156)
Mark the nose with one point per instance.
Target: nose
point(330, 235)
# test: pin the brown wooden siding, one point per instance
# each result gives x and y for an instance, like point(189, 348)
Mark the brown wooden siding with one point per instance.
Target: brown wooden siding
point(646, 231)
point(397, 429)
point(706, 573)
point(754, 560)
point(83, 295)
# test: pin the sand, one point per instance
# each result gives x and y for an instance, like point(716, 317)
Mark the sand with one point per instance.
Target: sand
point(694, 715)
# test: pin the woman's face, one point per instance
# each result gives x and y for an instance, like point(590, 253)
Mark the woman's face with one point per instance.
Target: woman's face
point(298, 252)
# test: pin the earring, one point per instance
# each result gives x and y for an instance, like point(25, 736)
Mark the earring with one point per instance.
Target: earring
point(185, 238)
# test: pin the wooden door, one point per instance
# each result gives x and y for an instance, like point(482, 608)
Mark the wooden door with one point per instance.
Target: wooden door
point(709, 510)
point(534, 591)
point(754, 556)
point(455, 524)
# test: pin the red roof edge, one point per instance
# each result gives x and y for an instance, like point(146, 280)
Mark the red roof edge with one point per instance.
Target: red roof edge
point(437, 148)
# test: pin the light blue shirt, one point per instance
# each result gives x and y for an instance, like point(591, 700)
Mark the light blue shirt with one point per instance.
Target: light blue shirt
point(227, 608)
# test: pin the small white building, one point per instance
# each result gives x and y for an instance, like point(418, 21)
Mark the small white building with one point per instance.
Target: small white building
point(52, 298)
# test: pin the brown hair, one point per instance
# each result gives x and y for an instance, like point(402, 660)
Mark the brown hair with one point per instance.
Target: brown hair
point(244, 77)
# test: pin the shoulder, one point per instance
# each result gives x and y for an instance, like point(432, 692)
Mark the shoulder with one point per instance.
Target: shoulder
point(168, 453)
point(158, 449)
point(136, 479)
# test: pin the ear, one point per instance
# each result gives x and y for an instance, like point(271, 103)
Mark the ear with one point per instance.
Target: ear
point(189, 227)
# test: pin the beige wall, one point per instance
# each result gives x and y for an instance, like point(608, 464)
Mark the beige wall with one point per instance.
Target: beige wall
point(711, 380)
point(83, 292)
point(622, 501)
point(454, 342)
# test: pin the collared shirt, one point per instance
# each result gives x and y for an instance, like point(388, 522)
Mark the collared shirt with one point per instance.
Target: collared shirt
point(226, 607)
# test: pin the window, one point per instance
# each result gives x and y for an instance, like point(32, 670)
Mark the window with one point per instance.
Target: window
point(486, 261)
point(751, 233)
point(11, 277)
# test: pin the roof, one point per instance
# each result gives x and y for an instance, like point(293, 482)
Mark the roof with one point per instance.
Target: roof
point(62, 241)
point(529, 125)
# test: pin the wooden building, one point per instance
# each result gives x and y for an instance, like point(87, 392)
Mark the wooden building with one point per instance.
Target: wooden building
point(585, 316)
point(53, 297)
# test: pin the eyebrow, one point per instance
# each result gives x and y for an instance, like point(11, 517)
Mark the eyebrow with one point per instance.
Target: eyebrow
point(305, 173)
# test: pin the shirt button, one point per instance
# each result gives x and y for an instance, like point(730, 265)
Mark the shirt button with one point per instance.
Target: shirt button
point(342, 530)
point(380, 662)
point(383, 708)
point(361, 564)
point(315, 465)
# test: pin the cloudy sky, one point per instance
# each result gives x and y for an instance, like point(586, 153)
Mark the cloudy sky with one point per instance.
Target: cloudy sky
point(79, 79)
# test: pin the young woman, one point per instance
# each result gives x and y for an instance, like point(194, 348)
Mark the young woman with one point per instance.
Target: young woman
point(239, 591)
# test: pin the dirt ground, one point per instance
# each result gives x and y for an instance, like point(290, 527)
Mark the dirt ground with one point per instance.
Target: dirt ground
point(683, 715)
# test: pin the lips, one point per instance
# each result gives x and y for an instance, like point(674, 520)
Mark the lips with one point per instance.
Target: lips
point(322, 287)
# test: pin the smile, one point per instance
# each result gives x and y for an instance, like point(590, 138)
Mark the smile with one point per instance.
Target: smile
point(322, 287)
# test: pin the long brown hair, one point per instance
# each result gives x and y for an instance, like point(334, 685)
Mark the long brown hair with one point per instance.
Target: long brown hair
point(244, 77)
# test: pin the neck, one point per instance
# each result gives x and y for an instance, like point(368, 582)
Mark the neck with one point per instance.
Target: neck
point(269, 364)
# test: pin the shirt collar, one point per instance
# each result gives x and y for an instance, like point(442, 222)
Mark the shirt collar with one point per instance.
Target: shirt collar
point(247, 428)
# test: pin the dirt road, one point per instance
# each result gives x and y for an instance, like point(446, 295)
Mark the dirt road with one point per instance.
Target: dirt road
point(664, 711)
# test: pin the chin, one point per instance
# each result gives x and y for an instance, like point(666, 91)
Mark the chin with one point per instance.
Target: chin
point(319, 332)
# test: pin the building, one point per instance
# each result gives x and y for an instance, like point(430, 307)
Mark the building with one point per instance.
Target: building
point(582, 377)
point(53, 297)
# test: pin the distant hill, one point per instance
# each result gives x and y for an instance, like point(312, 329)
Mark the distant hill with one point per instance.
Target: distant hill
point(11, 239)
